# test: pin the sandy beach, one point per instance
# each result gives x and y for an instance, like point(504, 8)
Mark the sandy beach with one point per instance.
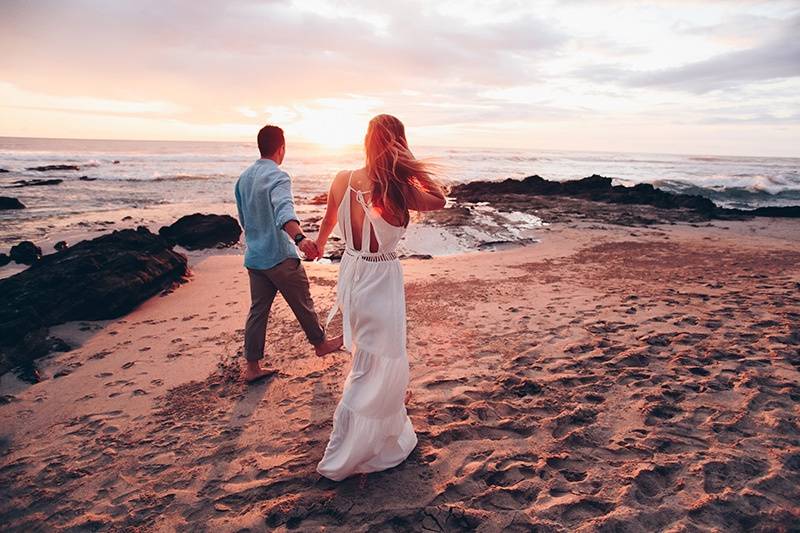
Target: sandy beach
point(609, 378)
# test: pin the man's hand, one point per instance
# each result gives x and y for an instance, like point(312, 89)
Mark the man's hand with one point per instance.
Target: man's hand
point(309, 249)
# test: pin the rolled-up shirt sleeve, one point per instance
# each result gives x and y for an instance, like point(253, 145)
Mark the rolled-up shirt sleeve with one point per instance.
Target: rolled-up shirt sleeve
point(282, 203)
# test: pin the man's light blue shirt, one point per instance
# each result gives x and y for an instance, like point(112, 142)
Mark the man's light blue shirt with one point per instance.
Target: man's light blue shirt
point(264, 202)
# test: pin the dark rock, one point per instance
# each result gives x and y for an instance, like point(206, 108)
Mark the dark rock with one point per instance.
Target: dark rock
point(7, 202)
point(596, 188)
point(98, 279)
point(787, 212)
point(4, 260)
point(33, 345)
point(26, 253)
point(451, 216)
point(599, 189)
point(86, 178)
point(320, 199)
point(3, 171)
point(418, 256)
point(198, 231)
point(115, 162)
point(36, 183)
point(61, 245)
point(47, 168)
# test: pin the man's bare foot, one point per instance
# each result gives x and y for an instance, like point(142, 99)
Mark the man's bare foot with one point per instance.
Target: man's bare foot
point(328, 345)
point(253, 372)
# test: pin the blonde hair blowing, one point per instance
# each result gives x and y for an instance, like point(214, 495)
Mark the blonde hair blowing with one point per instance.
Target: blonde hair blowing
point(393, 169)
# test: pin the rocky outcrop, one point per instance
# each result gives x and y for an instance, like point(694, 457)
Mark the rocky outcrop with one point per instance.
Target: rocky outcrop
point(25, 253)
point(4, 171)
point(599, 189)
point(48, 168)
point(36, 183)
point(320, 199)
point(199, 231)
point(99, 279)
point(792, 211)
point(7, 202)
point(23, 355)
point(4, 260)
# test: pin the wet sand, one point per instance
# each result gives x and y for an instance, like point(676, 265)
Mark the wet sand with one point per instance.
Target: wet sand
point(610, 378)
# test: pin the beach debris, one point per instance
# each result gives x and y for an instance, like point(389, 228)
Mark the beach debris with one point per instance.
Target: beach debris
point(60, 246)
point(199, 231)
point(26, 253)
point(86, 178)
point(7, 202)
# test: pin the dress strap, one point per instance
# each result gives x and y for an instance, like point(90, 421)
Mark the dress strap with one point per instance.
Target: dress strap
point(345, 214)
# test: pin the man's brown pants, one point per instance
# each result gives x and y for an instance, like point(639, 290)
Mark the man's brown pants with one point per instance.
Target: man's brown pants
point(289, 278)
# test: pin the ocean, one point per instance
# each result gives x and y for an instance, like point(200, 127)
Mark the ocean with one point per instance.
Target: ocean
point(152, 183)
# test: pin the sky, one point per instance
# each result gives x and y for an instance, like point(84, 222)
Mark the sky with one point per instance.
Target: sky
point(710, 77)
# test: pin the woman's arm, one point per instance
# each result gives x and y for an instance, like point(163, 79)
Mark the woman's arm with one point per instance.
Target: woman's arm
point(335, 195)
point(425, 200)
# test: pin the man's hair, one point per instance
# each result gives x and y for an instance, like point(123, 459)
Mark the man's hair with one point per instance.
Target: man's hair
point(270, 138)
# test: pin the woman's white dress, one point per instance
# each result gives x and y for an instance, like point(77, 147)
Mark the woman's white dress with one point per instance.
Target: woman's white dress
point(371, 430)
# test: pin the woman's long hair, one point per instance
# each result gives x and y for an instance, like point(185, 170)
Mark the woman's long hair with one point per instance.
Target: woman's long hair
point(392, 167)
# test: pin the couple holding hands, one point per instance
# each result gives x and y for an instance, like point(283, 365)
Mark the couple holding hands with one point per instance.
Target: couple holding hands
point(371, 205)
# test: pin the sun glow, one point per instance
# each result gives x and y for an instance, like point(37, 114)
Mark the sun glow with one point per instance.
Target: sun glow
point(331, 123)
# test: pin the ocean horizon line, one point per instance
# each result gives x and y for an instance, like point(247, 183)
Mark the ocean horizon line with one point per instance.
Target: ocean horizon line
point(344, 148)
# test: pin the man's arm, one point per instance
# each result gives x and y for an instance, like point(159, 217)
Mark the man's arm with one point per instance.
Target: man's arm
point(283, 205)
point(285, 217)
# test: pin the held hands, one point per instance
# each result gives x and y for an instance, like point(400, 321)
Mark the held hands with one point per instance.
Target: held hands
point(309, 249)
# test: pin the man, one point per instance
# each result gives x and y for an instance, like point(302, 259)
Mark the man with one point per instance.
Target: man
point(272, 233)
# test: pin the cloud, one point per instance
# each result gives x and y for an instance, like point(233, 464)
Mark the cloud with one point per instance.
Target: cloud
point(242, 49)
point(776, 58)
point(457, 64)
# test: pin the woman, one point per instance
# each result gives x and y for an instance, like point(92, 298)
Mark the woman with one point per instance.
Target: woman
point(371, 430)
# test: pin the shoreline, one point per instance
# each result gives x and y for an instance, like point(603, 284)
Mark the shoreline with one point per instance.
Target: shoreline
point(522, 363)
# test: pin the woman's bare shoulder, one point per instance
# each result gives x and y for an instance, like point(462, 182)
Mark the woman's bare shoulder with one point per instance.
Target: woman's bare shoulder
point(340, 179)
point(339, 184)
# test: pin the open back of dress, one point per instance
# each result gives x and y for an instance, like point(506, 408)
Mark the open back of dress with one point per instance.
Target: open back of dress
point(360, 222)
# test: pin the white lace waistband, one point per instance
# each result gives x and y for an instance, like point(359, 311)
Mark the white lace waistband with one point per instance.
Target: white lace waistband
point(372, 257)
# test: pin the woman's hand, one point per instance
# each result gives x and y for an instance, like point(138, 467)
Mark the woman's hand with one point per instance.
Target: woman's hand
point(321, 247)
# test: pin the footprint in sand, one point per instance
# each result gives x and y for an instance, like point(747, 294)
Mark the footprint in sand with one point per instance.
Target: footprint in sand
point(653, 483)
